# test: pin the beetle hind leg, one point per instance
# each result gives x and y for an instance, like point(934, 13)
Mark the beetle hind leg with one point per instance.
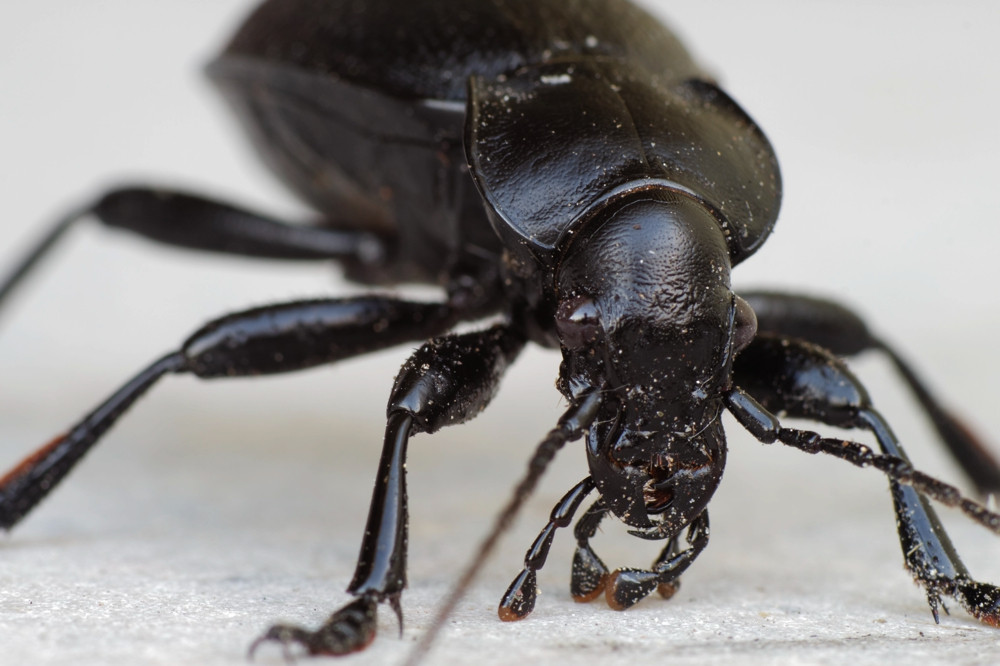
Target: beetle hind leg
point(195, 222)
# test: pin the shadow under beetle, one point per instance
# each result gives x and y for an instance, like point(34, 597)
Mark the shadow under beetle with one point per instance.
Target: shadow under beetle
point(565, 168)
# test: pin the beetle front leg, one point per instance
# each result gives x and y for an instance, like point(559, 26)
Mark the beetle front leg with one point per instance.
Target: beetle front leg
point(381, 571)
point(805, 381)
point(446, 382)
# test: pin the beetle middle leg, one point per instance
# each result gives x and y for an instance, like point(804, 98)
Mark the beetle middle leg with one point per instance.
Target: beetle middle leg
point(835, 327)
point(805, 381)
point(271, 339)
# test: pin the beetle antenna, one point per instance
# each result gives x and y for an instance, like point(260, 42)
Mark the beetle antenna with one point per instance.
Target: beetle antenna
point(895, 467)
point(969, 450)
point(571, 425)
point(41, 248)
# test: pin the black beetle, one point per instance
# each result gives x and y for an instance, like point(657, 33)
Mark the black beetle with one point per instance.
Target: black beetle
point(556, 80)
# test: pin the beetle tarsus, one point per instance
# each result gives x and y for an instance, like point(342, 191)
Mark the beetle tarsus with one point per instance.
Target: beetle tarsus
point(981, 600)
point(348, 630)
point(31, 480)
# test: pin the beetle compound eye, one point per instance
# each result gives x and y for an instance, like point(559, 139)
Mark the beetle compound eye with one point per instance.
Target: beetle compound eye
point(577, 322)
point(745, 325)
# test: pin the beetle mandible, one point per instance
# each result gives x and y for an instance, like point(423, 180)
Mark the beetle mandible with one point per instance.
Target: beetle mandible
point(563, 273)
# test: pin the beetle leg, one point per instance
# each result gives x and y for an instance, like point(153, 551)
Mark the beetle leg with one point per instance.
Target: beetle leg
point(834, 327)
point(519, 600)
point(589, 573)
point(277, 338)
point(28, 482)
point(627, 587)
point(191, 221)
point(571, 425)
point(805, 381)
point(349, 629)
point(447, 381)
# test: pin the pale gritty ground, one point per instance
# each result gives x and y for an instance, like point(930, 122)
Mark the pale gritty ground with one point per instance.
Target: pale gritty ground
point(178, 543)
point(216, 509)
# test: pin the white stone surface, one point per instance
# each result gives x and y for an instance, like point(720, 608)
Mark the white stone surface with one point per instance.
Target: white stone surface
point(215, 509)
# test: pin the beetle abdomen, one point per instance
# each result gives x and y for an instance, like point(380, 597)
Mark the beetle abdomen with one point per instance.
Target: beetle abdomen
point(427, 49)
point(360, 109)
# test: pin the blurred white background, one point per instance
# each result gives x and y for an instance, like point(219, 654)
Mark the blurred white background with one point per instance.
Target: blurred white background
point(883, 115)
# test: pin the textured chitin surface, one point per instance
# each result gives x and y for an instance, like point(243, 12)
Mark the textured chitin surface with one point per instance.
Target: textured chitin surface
point(429, 48)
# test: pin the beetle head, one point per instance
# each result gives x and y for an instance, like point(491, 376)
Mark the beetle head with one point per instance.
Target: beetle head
point(646, 312)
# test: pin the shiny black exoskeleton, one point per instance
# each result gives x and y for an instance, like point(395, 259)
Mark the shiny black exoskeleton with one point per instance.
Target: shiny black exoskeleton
point(564, 167)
